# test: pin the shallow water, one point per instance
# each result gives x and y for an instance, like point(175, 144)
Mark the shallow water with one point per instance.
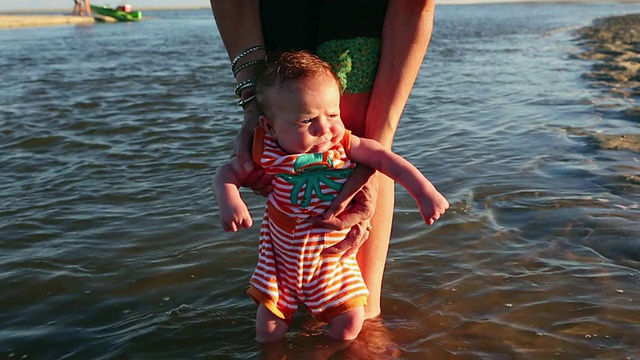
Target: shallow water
point(111, 247)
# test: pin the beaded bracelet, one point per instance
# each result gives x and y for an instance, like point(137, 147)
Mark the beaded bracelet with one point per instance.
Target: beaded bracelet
point(246, 65)
point(243, 102)
point(243, 85)
point(245, 53)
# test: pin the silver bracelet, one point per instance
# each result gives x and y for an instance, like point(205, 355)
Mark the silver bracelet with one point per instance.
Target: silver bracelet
point(243, 85)
point(245, 53)
point(243, 102)
point(246, 65)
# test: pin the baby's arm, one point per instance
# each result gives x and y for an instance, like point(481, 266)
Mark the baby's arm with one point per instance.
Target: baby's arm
point(234, 213)
point(369, 152)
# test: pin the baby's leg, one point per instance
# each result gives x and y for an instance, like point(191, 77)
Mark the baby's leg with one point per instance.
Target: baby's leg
point(347, 326)
point(269, 328)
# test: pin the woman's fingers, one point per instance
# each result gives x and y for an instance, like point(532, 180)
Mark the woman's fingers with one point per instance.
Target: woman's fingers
point(358, 178)
point(259, 181)
point(244, 141)
point(351, 243)
point(360, 210)
point(356, 215)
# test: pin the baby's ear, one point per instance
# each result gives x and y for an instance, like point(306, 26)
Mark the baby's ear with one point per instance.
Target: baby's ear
point(267, 124)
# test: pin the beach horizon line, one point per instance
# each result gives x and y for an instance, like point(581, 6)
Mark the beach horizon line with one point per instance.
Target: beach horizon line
point(56, 17)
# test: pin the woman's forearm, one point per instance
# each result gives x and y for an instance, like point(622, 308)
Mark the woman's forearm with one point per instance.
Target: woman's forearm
point(239, 25)
point(405, 37)
point(238, 22)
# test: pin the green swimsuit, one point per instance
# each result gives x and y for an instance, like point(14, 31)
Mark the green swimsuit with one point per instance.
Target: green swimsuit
point(346, 34)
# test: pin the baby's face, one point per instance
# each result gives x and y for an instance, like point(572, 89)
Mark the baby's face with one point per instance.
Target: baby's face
point(304, 115)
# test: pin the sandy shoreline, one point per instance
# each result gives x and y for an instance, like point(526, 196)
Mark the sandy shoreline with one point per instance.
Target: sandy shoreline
point(38, 18)
point(18, 21)
point(613, 43)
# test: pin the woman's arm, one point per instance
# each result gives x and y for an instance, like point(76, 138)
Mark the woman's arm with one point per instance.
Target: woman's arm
point(405, 38)
point(239, 25)
point(238, 22)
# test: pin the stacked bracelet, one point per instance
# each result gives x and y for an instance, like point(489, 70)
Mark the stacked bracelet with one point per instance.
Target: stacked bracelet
point(243, 102)
point(245, 53)
point(243, 85)
point(248, 83)
point(246, 65)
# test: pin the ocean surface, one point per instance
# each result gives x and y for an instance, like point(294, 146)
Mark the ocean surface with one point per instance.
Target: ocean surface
point(110, 243)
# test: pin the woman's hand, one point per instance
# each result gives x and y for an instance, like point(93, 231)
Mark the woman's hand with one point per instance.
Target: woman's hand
point(258, 180)
point(356, 237)
point(352, 208)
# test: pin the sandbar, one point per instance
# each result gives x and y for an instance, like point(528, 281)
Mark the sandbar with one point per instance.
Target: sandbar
point(613, 43)
point(18, 21)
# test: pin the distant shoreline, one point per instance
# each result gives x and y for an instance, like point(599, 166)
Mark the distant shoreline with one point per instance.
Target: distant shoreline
point(65, 11)
point(489, 2)
point(56, 17)
point(24, 21)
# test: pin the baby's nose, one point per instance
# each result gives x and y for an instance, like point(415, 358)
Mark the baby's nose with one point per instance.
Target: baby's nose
point(325, 127)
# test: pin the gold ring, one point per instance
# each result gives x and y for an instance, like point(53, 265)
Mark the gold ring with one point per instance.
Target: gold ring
point(369, 227)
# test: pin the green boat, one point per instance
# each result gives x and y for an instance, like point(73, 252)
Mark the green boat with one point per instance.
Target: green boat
point(117, 14)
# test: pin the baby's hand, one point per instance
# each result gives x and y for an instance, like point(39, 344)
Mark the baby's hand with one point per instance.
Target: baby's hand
point(432, 206)
point(235, 216)
point(234, 213)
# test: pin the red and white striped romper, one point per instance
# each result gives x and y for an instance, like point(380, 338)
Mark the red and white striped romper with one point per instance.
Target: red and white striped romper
point(290, 268)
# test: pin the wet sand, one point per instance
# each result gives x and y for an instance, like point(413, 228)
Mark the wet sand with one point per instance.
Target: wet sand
point(614, 44)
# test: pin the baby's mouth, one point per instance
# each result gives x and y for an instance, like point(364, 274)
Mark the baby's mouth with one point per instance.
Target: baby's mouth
point(321, 146)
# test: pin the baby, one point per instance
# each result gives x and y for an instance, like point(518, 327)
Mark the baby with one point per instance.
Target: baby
point(303, 143)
